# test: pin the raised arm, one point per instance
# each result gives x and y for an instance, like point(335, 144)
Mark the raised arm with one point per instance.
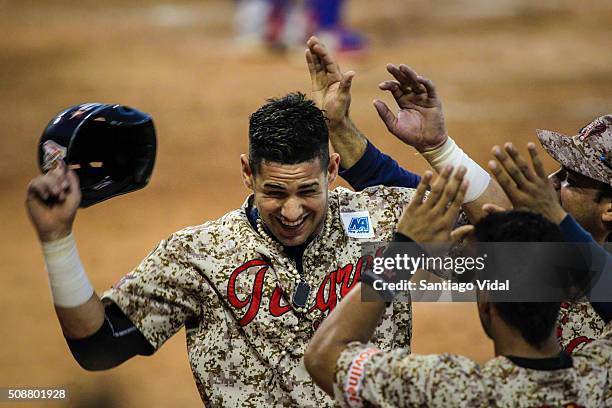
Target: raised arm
point(529, 187)
point(419, 123)
point(89, 327)
point(52, 202)
point(363, 165)
point(423, 221)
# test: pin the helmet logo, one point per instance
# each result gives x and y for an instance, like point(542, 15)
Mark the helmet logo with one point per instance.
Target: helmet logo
point(83, 109)
point(52, 152)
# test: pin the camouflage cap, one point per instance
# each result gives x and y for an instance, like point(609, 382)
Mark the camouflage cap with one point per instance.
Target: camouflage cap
point(588, 153)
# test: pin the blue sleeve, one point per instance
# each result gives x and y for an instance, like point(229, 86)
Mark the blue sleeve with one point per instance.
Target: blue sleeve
point(600, 258)
point(376, 168)
point(573, 232)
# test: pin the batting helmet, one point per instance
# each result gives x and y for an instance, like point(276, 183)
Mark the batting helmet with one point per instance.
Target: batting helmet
point(110, 147)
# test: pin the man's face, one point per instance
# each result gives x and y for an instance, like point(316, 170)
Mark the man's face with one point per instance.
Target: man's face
point(578, 196)
point(292, 198)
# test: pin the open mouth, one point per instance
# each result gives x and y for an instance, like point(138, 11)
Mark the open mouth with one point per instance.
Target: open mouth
point(295, 225)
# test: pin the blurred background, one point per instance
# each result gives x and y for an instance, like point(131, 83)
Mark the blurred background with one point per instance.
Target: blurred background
point(502, 68)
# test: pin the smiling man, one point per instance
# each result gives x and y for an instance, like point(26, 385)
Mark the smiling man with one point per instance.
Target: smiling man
point(251, 287)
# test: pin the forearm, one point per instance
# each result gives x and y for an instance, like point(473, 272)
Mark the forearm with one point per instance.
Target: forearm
point(482, 188)
point(600, 261)
point(83, 320)
point(493, 194)
point(78, 308)
point(348, 142)
point(376, 168)
point(352, 320)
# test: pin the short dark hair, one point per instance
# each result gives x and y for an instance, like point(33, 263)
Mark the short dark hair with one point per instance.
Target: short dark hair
point(288, 130)
point(534, 320)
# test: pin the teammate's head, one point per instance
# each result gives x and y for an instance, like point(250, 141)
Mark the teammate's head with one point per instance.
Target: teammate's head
point(584, 181)
point(288, 130)
point(533, 321)
point(289, 167)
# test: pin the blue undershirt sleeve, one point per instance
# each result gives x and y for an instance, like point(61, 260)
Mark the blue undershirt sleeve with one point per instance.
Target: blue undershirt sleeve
point(573, 232)
point(376, 168)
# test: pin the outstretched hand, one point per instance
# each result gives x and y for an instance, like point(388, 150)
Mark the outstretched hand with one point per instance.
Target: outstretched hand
point(331, 89)
point(431, 220)
point(419, 122)
point(526, 188)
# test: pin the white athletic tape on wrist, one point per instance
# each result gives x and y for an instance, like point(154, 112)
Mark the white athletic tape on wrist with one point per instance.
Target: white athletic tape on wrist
point(70, 286)
point(450, 153)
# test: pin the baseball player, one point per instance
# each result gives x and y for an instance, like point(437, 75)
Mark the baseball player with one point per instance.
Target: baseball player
point(251, 287)
point(529, 370)
point(583, 183)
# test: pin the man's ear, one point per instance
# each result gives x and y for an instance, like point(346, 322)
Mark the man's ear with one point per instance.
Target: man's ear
point(333, 167)
point(484, 313)
point(247, 174)
point(606, 213)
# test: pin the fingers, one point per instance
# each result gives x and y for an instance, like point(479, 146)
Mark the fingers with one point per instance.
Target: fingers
point(393, 87)
point(345, 83)
point(453, 208)
point(386, 115)
point(419, 195)
point(401, 78)
point(458, 234)
point(452, 196)
point(416, 201)
point(535, 161)
point(508, 164)
point(54, 185)
point(407, 78)
point(429, 86)
point(490, 208)
point(520, 162)
point(438, 187)
point(311, 64)
point(318, 76)
point(413, 78)
point(504, 181)
point(323, 60)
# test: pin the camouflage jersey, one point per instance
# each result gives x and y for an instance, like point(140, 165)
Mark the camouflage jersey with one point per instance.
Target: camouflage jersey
point(578, 325)
point(367, 377)
point(231, 291)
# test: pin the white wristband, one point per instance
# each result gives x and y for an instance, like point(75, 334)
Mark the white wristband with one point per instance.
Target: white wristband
point(450, 153)
point(70, 286)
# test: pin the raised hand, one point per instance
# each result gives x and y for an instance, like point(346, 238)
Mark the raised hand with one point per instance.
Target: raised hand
point(419, 122)
point(52, 200)
point(431, 219)
point(526, 188)
point(331, 89)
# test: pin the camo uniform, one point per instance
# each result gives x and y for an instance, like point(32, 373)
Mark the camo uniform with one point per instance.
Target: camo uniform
point(590, 154)
point(367, 377)
point(231, 291)
point(578, 325)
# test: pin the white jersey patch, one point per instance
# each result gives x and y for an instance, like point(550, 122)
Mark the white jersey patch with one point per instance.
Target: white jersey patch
point(357, 224)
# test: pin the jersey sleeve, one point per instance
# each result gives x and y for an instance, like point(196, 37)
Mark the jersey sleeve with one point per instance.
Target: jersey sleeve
point(366, 377)
point(600, 350)
point(161, 294)
point(599, 354)
point(376, 168)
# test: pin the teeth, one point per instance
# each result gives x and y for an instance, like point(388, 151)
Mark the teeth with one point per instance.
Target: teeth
point(293, 224)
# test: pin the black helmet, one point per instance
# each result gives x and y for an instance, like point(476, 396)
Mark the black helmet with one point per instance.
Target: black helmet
point(111, 148)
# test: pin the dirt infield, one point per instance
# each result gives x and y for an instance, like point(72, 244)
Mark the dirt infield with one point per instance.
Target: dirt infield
point(502, 72)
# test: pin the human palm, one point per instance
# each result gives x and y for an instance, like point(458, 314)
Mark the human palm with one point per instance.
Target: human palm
point(419, 121)
point(331, 100)
point(330, 87)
